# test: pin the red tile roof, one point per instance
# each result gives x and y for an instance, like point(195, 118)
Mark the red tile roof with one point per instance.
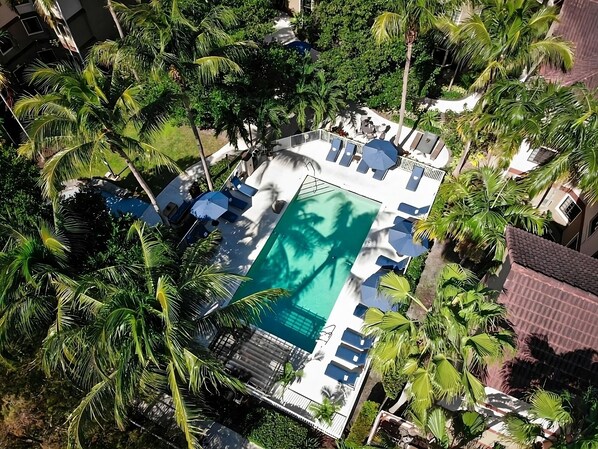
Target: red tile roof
point(578, 23)
point(551, 298)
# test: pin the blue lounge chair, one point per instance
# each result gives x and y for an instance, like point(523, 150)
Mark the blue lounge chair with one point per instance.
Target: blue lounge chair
point(182, 212)
point(416, 176)
point(340, 374)
point(384, 261)
point(360, 310)
point(363, 167)
point(198, 231)
point(351, 355)
point(412, 210)
point(335, 150)
point(230, 216)
point(243, 188)
point(356, 340)
point(348, 155)
point(380, 174)
point(235, 202)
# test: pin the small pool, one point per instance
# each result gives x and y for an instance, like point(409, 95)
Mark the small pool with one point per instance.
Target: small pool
point(120, 206)
point(310, 253)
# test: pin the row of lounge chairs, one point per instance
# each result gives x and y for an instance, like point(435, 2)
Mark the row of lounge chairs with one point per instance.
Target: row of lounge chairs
point(354, 350)
point(335, 151)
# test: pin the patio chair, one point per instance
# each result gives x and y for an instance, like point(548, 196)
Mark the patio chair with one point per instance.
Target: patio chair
point(416, 177)
point(335, 150)
point(360, 310)
point(197, 231)
point(416, 140)
point(229, 216)
point(386, 262)
point(351, 355)
point(340, 374)
point(348, 154)
point(182, 212)
point(235, 202)
point(355, 339)
point(437, 149)
point(245, 189)
point(380, 174)
point(412, 210)
point(363, 167)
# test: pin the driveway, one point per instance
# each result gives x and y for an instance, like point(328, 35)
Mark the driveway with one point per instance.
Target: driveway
point(221, 437)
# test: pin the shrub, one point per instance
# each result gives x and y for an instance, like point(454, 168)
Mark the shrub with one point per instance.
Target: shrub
point(363, 424)
point(415, 269)
point(454, 93)
point(393, 383)
point(273, 430)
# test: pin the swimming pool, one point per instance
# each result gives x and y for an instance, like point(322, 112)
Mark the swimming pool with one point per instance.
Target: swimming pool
point(119, 206)
point(310, 253)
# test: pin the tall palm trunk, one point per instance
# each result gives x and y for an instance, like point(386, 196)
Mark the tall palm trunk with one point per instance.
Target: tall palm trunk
point(116, 21)
point(463, 159)
point(146, 188)
point(202, 154)
point(404, 90)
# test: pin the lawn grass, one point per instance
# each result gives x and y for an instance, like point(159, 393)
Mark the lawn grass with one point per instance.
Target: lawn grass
point(177, 142)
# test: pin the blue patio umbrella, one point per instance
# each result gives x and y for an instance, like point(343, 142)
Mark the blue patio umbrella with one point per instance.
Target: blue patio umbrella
point(369, 292)
point(210, 205)
point(300, 46)
point(404, 244)
point(379, 154)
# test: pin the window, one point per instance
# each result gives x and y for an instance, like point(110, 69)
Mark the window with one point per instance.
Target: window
point(541, 155)
point(574, 243)
point(569, 208)
point(32, 25)
point(593, 225)
point(6, 44)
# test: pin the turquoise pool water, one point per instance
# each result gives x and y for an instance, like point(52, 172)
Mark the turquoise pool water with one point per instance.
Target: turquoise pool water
point(310, 254)
point(119, 206)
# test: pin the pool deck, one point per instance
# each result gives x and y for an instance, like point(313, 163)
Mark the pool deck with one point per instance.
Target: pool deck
point(279, 179)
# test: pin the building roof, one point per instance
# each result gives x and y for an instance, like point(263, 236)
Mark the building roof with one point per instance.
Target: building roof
point(550, 296)
point(553, 260)
point(578, 23)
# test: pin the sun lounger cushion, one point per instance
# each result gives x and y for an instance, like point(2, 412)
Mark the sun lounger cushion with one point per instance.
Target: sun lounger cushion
point(362, 167)
point(199, 231)
point(360, 310)
point(416, 176)
point(235, 202)
point(335, 150)
point(412, 210)
point(356, 340)
point(380, 174)
point(384, 261)
point(416, 140)
point(351, 355)
point(230, 216)
point(243, 188)
point(340, 374)
point(348, 155)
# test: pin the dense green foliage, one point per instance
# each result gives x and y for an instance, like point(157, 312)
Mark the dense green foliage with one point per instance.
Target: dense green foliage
point(273, 430)
point(363, 423)
point(415, 270)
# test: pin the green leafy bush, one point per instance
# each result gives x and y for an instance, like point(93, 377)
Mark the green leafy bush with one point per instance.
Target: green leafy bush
point(273, 430)
point(393, 383)
point(415, 269)
point(454, 93)
point(363, 424)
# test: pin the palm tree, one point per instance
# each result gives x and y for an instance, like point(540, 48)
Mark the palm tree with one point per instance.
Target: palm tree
point(507, 38)
point(443, 354)
point(407, 20)
point(163, 42)
point(572, 419)
point(140, 346)
point(324, 411)
point(83, 114)
point(475, 209)
point(30, 263)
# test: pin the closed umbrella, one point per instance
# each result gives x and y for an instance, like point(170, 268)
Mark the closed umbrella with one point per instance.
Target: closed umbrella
point(369, 292)
point(379, 154)
point(210, 205)
point(404, 244)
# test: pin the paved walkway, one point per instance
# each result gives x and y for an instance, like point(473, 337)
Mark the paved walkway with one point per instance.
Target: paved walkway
point(221, 437)
point(455, 105)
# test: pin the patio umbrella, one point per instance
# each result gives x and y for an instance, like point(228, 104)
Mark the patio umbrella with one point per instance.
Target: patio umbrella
point(210, 205)
point(369, 292)
point(403, 243)
point(379, 154)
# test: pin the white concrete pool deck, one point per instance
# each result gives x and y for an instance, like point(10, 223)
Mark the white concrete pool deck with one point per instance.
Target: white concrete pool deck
point(280, 179)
